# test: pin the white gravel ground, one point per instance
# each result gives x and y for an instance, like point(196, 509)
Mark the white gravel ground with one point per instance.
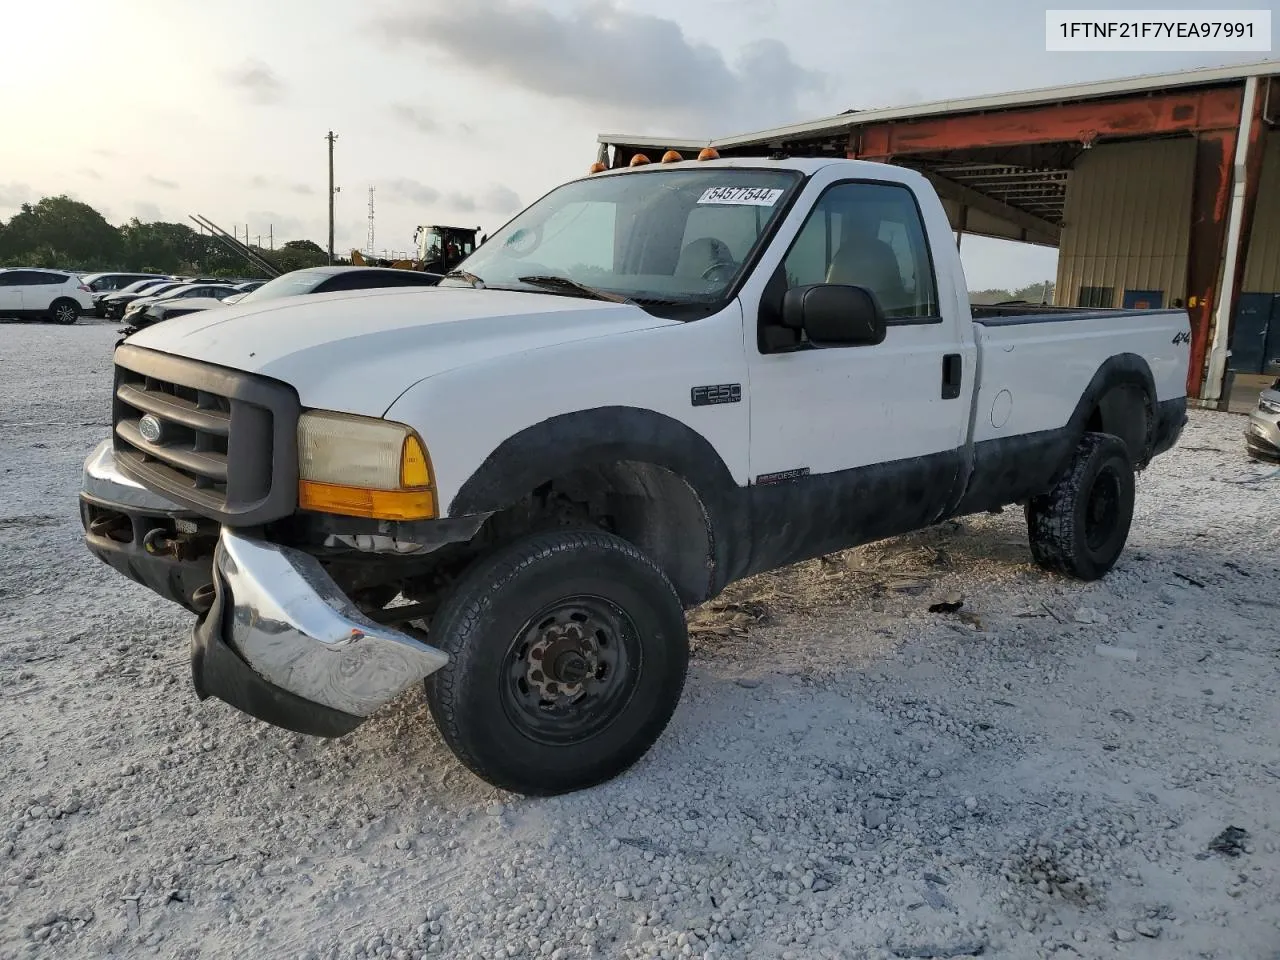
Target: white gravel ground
point(1040, 779)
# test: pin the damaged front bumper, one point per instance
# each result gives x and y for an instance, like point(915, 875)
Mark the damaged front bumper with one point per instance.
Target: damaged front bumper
point(276, 637)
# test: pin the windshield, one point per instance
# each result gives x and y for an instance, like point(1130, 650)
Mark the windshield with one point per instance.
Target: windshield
point(287, 285)
point(666, 236)
point(428, 243)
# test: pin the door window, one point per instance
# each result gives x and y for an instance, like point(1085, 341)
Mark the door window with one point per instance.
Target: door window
point(868, 235)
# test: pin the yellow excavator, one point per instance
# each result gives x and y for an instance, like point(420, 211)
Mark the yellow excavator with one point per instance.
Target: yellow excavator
point(438, 250)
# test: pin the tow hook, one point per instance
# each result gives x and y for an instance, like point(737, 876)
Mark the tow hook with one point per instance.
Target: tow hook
point(158, 543)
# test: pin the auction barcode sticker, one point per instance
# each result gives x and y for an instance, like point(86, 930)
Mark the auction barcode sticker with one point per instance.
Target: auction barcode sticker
point(742, 196)
point(1120, 31)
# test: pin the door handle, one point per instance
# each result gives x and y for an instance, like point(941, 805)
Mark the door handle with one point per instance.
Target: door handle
point(952, 374)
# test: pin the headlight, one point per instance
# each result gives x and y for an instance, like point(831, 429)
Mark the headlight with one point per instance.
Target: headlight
point(363, 467)
point(1268, 406)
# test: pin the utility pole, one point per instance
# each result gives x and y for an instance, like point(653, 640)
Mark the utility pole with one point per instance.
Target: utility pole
point(331, 137)
point(369, 243)
point(271, 235)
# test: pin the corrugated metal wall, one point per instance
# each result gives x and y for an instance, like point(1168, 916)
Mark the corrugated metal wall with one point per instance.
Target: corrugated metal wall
point(1262, 268)
point(1128, 218)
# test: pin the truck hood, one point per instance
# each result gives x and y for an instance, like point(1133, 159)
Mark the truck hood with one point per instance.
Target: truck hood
point(357, 352)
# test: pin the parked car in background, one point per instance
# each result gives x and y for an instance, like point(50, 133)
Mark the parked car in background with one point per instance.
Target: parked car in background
point(1262, 435)
point(104, 285)
point(191, 298)
point(183, 291)
point(111, 282)
point(36, 294)
point(333, 279)
point(294, 283)
point(114, 304)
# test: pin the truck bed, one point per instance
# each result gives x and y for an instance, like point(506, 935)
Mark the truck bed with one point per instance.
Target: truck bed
point(1033, 359)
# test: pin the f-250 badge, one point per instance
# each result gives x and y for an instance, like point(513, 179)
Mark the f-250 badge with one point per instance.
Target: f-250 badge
point(718, 393)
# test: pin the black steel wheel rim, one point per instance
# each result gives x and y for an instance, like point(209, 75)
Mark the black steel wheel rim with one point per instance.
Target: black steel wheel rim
point(1102, 511)
point(570, 670)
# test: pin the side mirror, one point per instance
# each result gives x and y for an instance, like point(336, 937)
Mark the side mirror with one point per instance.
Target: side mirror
point(833, 314)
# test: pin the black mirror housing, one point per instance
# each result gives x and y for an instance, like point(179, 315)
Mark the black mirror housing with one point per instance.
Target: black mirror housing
point(834, 314)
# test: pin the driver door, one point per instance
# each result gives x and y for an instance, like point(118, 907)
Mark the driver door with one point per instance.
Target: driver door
point(854, 443)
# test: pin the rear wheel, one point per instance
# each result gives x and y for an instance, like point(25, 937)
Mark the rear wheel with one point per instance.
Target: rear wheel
point(64, 311)
point(567, 657)
point(1080, 526)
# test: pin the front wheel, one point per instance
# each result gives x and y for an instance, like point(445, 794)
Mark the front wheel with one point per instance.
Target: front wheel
point(65, 312)
point(1080, 526)
point(567, 658)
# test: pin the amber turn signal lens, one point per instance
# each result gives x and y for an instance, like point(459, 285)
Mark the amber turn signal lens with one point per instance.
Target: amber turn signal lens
point(361, 502)
point(415, 468)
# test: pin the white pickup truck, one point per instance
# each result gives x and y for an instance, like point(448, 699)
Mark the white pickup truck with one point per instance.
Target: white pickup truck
point(652, 382)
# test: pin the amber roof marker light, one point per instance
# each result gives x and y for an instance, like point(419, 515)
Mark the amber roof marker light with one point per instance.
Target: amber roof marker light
point(671, 156)
point(597, 167)
point(708, 153)
point(639, 160)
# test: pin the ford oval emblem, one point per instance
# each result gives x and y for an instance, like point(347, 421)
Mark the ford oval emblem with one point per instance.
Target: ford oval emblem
point(150, 429)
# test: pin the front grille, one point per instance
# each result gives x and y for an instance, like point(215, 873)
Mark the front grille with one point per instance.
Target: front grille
point(226, 440)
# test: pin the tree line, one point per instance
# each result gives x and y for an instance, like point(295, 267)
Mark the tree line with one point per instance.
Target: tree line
point(1041, 292)
point(62, 233)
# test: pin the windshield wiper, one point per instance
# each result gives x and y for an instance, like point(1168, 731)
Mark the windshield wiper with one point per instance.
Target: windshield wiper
point(471, 278)
point(564, 283)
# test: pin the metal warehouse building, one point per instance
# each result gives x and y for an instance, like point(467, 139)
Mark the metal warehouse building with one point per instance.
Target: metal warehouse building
point(1161, 190)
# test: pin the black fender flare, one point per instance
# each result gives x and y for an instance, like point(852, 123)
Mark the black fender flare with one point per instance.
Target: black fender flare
point(1119, 370)
point(601, 436)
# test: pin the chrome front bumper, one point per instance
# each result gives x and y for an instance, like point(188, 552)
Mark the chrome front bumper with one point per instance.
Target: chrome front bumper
point(294, 627)
point(280, 640)
point(101, 480)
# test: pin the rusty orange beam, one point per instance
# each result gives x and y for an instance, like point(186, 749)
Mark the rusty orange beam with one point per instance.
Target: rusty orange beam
point(1212, 109)
point(1210, 199)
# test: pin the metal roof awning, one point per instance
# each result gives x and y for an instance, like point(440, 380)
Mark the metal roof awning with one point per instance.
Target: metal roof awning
point(843, 122)
point(1001, 163)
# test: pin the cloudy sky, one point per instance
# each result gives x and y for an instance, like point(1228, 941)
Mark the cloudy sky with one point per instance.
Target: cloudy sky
point(461, 112)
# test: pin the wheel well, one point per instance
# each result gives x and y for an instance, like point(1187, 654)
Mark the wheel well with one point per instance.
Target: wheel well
point(1125, 411)
point(1120, 400)
point(651, 506)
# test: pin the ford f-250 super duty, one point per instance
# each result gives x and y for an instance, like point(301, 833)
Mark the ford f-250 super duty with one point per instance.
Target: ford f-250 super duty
point(652, 382)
